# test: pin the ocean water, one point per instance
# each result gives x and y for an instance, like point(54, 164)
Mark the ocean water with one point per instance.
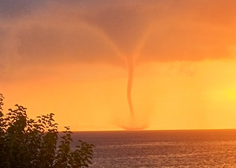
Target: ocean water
point(152, 149)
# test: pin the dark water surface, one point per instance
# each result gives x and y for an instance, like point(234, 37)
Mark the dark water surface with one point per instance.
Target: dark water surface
point(140, 149)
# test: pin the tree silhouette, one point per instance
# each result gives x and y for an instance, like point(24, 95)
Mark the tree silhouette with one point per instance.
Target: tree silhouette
point(32, 143)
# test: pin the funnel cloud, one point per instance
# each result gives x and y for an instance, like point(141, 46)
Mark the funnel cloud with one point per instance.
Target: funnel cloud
point(125, 28)
point(129, 87)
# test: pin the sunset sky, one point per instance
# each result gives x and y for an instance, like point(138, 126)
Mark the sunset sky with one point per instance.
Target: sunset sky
point(73, 57)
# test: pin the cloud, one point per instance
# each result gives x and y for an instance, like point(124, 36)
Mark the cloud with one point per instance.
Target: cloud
point(124, 26)
point(3, 38)
point(189, 43)
point(57, 32)
point(52, 46)
point(15, 9)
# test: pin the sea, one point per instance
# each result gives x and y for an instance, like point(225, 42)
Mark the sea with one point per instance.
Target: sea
point(164, 149)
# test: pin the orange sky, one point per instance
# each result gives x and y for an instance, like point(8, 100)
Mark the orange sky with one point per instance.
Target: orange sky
point(71, 58)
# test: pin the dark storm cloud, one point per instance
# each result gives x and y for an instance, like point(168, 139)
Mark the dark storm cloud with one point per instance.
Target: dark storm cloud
point(2, 37)
point(97, 31)
point(50, 45)
point(13, 9)
point(124, 26)
point(3, 49)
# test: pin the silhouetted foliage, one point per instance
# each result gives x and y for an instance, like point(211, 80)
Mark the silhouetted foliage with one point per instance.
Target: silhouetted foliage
point(32, 143)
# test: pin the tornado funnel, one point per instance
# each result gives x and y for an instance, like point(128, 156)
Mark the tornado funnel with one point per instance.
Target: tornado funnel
point(124, 27)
